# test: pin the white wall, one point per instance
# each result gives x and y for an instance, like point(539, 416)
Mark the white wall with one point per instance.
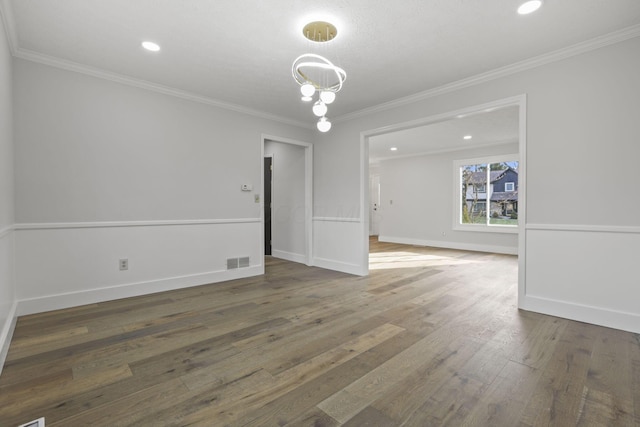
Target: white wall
point(288, 200)
point(338, 223)
point(581, 140)
point(7, 293)
point(106, 171)
point(421, 189)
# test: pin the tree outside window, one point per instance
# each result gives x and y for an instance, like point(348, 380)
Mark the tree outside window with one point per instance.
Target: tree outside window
point(488, 193)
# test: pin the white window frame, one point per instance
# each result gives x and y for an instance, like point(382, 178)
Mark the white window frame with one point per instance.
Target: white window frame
point(513, 187)
point(457, 199)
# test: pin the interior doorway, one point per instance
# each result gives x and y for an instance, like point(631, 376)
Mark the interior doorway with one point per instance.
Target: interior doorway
point(380, 147)
point(287, 199)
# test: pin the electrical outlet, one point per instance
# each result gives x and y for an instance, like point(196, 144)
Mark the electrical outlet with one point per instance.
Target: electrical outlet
point(124, 264)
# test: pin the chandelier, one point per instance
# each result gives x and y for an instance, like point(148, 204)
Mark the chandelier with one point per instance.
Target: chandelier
point(316, 74)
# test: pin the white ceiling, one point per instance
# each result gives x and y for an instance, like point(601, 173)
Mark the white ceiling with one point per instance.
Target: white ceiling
point(486, 128)
point(240, 52)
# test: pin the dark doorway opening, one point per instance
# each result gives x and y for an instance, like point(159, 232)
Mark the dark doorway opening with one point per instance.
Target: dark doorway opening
point(268, 176)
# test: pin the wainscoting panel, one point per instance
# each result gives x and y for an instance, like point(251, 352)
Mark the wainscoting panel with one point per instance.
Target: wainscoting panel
point(63, 266)
point(337, 244)
point(585, 273)
point(7, 294)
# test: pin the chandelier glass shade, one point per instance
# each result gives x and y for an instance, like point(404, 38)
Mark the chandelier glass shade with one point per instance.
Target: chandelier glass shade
point(307, 90)
point(319, 108)
point(323, 124)
point(316, 74)
point(327, 97)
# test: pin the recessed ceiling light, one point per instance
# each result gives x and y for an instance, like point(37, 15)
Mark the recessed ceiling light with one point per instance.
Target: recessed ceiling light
point(467, 137)
point(393, 148)
point(529, 6)
point(151, 46)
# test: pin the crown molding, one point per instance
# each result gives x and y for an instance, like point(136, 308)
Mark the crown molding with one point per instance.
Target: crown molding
point(6, 15)
point(40, 58)
point(537, 61)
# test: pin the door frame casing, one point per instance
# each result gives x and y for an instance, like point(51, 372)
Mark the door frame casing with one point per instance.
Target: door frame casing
point(308, 192)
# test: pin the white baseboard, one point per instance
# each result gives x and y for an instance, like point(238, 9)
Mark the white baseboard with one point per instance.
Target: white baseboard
point(96, 295)
point(582, 313)
point(7, 333)
point(451, 245)
point(289, 256)
point(343, 267)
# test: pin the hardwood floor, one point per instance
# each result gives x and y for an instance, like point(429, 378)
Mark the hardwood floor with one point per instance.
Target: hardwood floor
point(432, 337)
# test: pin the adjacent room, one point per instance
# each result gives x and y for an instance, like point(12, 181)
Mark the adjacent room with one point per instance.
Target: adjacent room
point(420, 175)
point(344, 213)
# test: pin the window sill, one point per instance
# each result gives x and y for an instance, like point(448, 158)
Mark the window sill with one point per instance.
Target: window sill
point(505, 229)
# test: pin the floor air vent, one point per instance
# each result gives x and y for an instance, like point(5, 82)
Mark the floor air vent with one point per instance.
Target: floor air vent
point(241, 262)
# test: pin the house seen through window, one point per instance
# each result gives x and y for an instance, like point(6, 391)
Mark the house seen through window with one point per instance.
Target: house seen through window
point(488, 193)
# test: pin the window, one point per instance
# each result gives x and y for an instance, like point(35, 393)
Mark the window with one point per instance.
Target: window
point(478, 209)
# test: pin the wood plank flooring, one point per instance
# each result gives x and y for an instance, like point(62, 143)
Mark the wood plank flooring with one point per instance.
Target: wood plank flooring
point(432, 337)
